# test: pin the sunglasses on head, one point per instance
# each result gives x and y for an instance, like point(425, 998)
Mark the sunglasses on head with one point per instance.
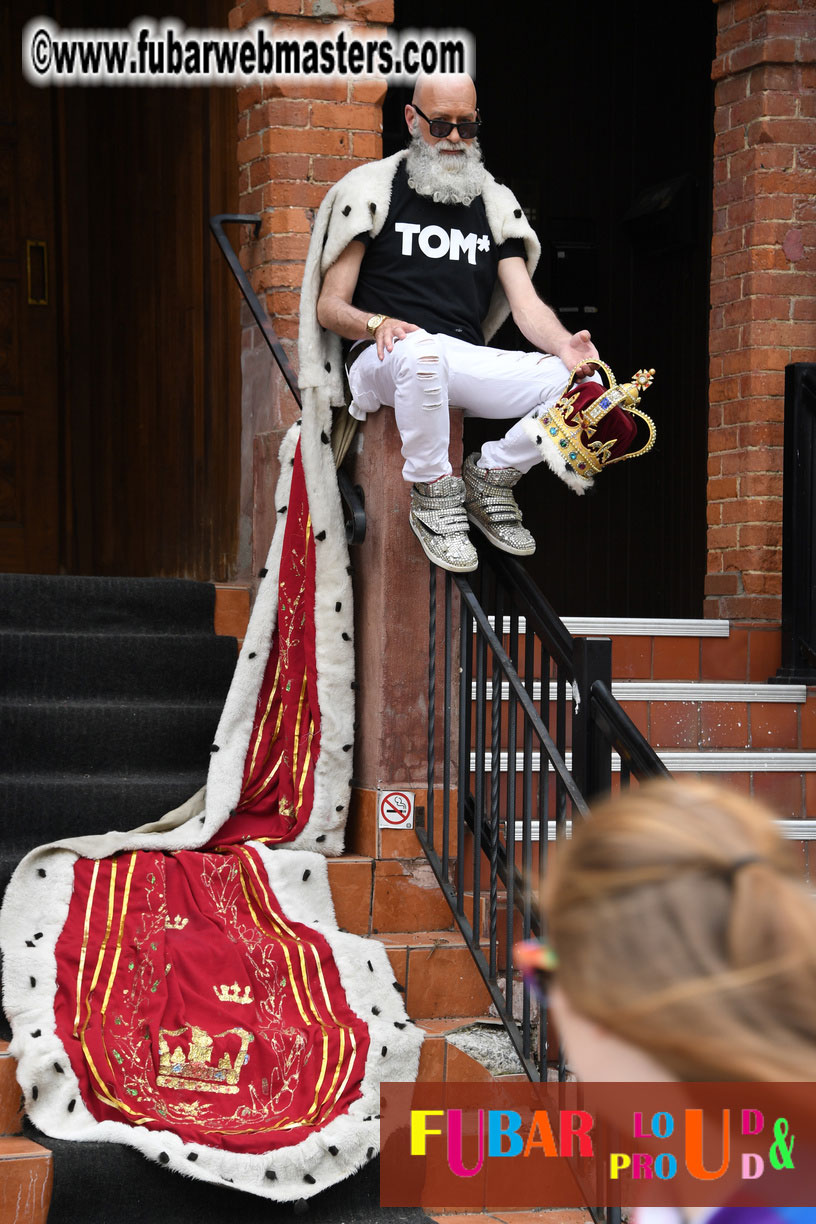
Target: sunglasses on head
point(538, 964)
point(467, 129)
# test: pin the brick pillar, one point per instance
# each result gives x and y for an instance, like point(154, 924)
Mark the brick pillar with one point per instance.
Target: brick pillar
point(294, 140)
point(391, 599)
point(762, 287)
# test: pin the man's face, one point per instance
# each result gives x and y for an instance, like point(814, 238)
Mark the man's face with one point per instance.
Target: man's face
point(450, 98)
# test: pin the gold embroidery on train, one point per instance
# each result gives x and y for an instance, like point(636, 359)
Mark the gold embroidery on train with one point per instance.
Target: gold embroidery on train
point(194, 1072)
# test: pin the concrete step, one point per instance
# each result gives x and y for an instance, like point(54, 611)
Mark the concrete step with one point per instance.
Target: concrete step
point(443, 1061)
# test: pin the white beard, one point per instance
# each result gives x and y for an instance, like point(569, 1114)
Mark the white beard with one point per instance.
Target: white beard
point(446, 179)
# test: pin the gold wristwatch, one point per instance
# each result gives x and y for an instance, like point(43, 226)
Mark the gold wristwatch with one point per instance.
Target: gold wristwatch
point(374, 322)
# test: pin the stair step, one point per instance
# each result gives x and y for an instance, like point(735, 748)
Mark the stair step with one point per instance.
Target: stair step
point(442, 1061)
point(372, 896)
point(437, 973)
point(543, 1215)
point(59, 603)
point(26, 1181)
point(677, 690)
point(667, 649)
point(91, 734)
point(682, 761)
point(131, 666)
point(76, 803)
point(11, 1097)
point(105, 1183)
point(632, 626)
point(232, 608)
point(38, 809)
point(784, 780)
point(791, 830)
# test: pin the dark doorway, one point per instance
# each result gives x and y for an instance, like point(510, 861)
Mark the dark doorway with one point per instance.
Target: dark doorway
point(605, 133)
point(145, 396)
point(29, 319)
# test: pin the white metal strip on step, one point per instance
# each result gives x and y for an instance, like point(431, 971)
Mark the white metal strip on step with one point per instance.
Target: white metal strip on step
point(679, 690)
point(677, 761)
point(792, 830)
point(636, 626)
point(632, 626)
point(706, 690)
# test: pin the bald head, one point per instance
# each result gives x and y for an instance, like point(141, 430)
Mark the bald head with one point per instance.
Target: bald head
point(446, 89)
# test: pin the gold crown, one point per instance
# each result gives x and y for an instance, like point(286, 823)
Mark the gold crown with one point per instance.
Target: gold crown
point(175, 924)
point(587, 459)
point(194, 1071)
point(232, 994)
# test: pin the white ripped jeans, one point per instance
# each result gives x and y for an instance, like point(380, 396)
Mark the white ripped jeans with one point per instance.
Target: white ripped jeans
point(425, 373)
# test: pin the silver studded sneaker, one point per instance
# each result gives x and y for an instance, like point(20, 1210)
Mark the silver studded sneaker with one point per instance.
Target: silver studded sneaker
point(439, 522)
point(491, 506)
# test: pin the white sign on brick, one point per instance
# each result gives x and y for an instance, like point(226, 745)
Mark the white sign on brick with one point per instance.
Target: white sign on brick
point(395, 809)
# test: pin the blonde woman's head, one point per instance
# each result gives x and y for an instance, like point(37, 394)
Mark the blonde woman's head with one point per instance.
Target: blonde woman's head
point(684, 929)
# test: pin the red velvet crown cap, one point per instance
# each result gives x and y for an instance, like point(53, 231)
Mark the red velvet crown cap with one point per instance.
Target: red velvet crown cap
point(616, 424)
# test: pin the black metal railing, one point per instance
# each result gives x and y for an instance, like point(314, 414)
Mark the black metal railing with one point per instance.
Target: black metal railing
point(352, 495)
point(799, 527)
point(527, 729)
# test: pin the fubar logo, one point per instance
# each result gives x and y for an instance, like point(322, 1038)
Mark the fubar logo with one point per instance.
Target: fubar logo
point(435, 242)
point(468, 1146)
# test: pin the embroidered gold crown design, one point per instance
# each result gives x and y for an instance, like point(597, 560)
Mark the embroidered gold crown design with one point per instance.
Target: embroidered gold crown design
point(175, 924)
point(194, 1071)
point(232, 994)
point(588, 458)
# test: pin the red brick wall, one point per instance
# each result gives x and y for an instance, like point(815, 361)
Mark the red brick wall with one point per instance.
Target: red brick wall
point(294, 141)
point(762, 287)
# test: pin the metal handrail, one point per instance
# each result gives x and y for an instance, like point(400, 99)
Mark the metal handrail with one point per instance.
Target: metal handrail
point(636, 754)
point(351, 494)
point(582, 668)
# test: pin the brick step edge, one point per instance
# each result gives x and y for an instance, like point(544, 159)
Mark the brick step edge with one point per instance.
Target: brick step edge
point(11, 1096)
point(442, 1060)
point(26, 1180)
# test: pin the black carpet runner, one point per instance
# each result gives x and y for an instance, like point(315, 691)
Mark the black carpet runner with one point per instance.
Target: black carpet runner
point(110, 693)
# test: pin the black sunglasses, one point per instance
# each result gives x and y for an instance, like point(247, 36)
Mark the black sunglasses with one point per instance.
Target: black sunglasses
point(467, 129)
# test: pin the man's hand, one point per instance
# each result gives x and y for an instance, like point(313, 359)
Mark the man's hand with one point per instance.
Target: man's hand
point(389, 332)
point(579, 351)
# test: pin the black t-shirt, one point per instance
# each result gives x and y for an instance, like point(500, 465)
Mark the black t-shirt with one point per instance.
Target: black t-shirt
point(434, 265)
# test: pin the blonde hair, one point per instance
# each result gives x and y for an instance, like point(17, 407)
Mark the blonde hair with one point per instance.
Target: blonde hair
point(683, 924)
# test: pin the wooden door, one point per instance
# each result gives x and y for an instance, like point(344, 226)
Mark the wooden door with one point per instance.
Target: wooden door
point(152, 318)
point(29, 317)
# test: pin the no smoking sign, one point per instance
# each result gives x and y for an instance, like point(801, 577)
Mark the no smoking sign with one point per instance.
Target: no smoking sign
point(395, 809)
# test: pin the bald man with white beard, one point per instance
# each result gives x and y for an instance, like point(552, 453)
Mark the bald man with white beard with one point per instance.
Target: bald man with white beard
point(415, 299)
